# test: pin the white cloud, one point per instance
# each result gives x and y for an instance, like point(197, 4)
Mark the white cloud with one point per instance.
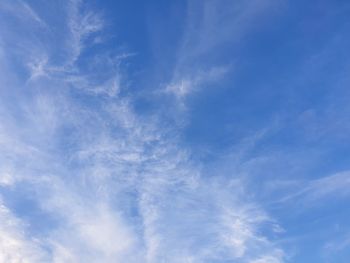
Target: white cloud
point(31, 13)
point(181, 88)
point(119, 185)
point(213, 23)
point(335, 184)
point(337, 245)
point(22, 11)
point(82, 24)
point(38, 68)
point(209, 25)
point(310, 191)
point(15, 245)
point(269, 259)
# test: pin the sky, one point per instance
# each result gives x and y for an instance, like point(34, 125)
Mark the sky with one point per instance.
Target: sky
point(185, 131)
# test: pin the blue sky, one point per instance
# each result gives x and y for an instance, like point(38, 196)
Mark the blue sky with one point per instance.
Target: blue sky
point(174, 131)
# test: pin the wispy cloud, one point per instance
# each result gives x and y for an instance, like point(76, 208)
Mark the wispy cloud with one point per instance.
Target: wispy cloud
point(31, 13)
point(15, 246)
point(209, 26)
point(336, 186)
point(118, 183)
point(23, 11)
point(214, 23)
point(191, 83)
point(81, 25)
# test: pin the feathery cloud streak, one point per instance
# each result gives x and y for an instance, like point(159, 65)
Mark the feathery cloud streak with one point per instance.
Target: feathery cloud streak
point(106, 185)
